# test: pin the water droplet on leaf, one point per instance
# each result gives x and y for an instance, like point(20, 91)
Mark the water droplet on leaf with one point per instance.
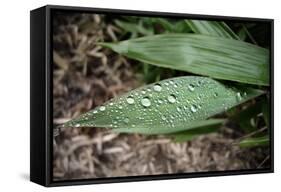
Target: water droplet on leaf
point(130, 100)
point(157, 87)
point(239, 97)
point(172, 98)
point(126, 120)
point(193, 108)
point(191, 87)
point(145, 102)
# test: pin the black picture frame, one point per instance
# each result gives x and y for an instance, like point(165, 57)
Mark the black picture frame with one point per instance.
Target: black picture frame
point(41, 130)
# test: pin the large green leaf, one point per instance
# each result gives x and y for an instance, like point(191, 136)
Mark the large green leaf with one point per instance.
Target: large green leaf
point(215, 57)
point(213, 28)
point(167, 106)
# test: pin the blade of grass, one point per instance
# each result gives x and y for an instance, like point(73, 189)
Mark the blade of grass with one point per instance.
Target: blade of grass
point(249, 34)
point(212, 28)
point(255, 142)
point(215, 57)
point(134, 28)
point(167, 106)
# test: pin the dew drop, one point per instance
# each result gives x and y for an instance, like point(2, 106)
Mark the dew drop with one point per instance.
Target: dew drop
point(126, 120)
point(191, 87)
point(157, 87)
point(145, 102)
point(130, 100)
point(77, 125)
point(216, 94)
point(102, 108)
point(172, 98)
point(239, 97)
point(95, 111)
point(163, 118)
point(160, 101)
point(193, 108)
point(120, 107)
point(178, 109)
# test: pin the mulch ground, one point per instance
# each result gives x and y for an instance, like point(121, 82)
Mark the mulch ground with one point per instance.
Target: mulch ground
point(85, 76)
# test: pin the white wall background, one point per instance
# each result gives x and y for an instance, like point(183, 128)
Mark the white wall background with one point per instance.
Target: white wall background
point(14, 94)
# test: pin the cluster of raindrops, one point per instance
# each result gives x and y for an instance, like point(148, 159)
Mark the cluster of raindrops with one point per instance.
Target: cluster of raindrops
point(162, 101)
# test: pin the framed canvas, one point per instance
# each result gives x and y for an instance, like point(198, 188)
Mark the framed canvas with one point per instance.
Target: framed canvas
point(126, 95)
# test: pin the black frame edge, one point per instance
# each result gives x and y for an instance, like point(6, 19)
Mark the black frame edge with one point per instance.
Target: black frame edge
point(271, 130)
point(38, 129)
point(154, 13)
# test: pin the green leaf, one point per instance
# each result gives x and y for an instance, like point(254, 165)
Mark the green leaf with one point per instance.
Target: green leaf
point(209, 126)
point(134, 28)
point(195, 128)
point(168, 26)
point(212, 28)
point(167, 106)
point(215, 57)
point(242, 34)
point(177, 27)
point(255, 142)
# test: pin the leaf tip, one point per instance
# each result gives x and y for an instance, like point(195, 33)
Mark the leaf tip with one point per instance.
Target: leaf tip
point(119, 47)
